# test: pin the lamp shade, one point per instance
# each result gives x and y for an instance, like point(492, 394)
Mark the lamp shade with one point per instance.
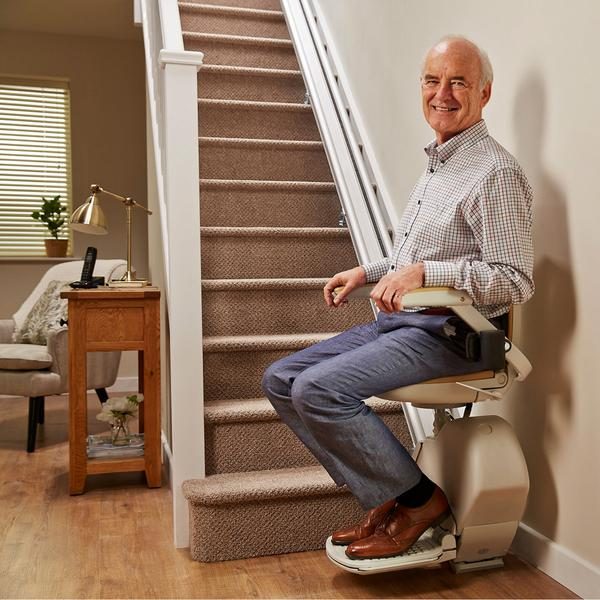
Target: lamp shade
point(89, 218)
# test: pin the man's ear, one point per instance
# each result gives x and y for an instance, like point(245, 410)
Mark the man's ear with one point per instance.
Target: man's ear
point(486, 94)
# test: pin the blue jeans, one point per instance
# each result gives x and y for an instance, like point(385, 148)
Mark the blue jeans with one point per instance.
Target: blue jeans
point(319, 393)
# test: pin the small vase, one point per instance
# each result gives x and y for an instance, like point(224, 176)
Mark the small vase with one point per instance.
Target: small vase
point(120, 432)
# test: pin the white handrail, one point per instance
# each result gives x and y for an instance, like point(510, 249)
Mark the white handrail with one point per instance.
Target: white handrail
point(173, 107)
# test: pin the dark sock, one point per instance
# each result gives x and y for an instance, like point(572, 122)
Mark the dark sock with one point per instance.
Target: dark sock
point(419, 494)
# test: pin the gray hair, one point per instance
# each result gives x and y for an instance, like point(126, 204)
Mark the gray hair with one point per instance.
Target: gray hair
point(487, 73)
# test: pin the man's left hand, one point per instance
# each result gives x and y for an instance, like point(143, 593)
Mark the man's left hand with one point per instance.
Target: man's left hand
point(390, 289)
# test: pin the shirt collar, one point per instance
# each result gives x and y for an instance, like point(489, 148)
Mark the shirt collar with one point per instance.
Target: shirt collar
point(463, 140)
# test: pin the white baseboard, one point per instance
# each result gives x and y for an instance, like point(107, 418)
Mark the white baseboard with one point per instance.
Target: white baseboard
point(560, 563)
point(124, 384)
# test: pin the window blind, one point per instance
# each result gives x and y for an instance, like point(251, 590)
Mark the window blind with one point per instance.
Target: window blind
point(35, 160)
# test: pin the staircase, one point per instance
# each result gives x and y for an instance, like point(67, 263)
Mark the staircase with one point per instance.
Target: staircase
point(270, 239)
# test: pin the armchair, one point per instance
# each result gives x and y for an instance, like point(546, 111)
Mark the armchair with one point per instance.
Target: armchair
point(36, 371)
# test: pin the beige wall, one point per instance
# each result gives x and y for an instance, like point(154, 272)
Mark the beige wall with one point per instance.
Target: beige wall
point(543, 109)
point(108, 126)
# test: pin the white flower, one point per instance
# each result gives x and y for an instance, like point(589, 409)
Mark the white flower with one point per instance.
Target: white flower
point(119, 408)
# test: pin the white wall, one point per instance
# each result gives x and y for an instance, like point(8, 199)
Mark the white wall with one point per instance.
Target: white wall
point(544, 110)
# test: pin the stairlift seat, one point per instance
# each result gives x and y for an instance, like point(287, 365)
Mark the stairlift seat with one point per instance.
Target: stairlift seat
point(477, 461)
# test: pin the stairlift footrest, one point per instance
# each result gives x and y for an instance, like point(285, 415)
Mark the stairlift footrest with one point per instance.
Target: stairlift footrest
point(433, 547)
point(480, 565)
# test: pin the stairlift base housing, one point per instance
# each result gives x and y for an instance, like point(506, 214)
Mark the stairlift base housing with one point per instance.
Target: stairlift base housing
point(477, 461)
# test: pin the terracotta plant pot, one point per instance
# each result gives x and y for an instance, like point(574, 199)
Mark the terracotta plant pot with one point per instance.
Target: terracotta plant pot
point(56, 248)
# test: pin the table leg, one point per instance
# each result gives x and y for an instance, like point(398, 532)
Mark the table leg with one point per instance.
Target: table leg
point(151, 386)
point(77, 402)
point(141, 390)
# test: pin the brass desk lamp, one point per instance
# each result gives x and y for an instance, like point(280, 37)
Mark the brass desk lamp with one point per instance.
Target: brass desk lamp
point(89, 218)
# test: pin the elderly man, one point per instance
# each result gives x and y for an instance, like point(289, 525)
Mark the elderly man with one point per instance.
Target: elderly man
point(467, 225)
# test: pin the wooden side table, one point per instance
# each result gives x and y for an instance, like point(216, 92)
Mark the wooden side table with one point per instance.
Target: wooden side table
point(105, 319)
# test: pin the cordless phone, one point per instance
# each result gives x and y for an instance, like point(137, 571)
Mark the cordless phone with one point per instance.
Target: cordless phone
point(87, 279)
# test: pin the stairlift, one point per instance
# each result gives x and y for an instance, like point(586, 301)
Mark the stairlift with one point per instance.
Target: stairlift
point(476, 460)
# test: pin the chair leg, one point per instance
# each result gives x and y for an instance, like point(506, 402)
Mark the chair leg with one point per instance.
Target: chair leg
point(102, 395)
point(41, 410)
point(34, 412)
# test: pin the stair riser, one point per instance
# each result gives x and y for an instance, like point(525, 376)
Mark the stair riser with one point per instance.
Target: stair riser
point(265, 163)
point(258, 446)
point(275, 257)
point(230, 375)
point(244, 55)
point(267, 208)
point(260, 4)
point(250, 87)
point(231, 122)
point(280, 311)
point(261, 528)
point(207, 22)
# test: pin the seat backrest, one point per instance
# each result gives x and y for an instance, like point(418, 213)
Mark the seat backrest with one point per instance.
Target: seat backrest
point(68, 271)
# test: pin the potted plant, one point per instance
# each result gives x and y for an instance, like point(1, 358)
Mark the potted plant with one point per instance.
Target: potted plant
point(50, 214)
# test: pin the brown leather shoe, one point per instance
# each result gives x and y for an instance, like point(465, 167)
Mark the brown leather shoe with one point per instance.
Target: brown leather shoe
point(402, 528)
point(366, 527)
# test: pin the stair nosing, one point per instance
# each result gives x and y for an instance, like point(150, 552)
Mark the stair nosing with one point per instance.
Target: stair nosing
point(238, 39)
point(311, 186)
point(246, 343)
point(276, 15)
point(256, 71)
point(260, 410)
point(283, 283)
point(233, 488)
point(257, 105)
point(292, 232)
point(259, 142)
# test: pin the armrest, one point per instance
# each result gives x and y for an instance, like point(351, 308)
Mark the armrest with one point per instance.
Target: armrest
point(462, 304)
point(7, 328)
point(426, 297)
point(58, 348)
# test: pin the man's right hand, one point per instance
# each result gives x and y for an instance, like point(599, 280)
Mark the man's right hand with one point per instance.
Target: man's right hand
point(349, 280)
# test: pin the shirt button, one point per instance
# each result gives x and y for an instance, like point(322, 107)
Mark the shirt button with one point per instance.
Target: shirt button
point(406, 234)
point(431, 170)
point(392, 268)
point(419, 202)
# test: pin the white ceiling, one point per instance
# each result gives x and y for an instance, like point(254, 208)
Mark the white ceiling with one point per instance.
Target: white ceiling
point(96, 18)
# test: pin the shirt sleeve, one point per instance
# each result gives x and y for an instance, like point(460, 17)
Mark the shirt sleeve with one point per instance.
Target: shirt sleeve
point(498, 212)
point(376, 270)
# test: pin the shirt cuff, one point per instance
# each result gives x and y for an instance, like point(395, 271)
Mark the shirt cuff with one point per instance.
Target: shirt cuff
point(439, 274)
point(375, 271)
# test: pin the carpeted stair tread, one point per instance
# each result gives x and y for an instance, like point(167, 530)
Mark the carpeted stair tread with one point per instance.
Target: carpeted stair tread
point(240, 40)
point(262, 343)
point(258, 184)
point(261, 144)
point(251, 71)
point(276, 232)
point(242, 410)
point(255, 105)
point(231, 10)
point(233, 488)
point(214, 285)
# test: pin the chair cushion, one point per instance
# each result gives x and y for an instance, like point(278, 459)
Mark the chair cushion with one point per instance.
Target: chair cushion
point(24, 357)
point(44, 316)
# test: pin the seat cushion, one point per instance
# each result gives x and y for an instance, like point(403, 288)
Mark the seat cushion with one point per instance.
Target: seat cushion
point(44, 316)
point(24, 357)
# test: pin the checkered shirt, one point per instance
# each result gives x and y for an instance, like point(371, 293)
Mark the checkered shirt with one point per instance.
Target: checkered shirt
point(468, 220)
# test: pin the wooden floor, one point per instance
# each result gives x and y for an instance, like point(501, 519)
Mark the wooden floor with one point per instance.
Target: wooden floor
point(115, 541)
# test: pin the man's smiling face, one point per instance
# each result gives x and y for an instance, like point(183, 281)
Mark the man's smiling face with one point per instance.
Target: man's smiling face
point(451, 88)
